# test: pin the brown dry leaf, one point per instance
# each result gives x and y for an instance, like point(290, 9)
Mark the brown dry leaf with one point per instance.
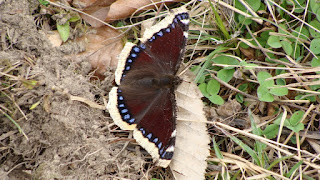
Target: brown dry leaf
point(98, 9)
point(54, 38)
point(102, 48)
point(124, 8)
point(111, 10)
point(192, 140)
point(229, 108)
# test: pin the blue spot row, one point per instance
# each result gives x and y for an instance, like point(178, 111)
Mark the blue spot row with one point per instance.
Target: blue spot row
point(124, 112)
point(182, 16)
point(152, 139)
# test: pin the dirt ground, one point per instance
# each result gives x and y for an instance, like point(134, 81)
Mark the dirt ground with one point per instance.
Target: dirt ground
point(66, 139)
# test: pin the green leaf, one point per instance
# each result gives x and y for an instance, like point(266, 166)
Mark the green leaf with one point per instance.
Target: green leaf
point(315, 62)
point(297, 52)
point(243, 87)
point(203, 89)
point(262, 76)
point(304, 33)
point(239, 98)
point(74, 18)
point(225, 74)
point(286, 45)
point(318, 14)
point(281, 30)
point(34, 105)
point(277, 160)
point(315, 6)
point(279, 91)
point(315, 46)
point(247, 66)
point(246, 148)
point(280, 82)
point(296, 118)
point(271, 131)
point(216, 99)
point(43, 2)
point(315, 87)
point(64, 31)
point(294, 169)
point(227, 60)
point(254, 4)
point(315, 24)
point(274, 41)
point(213, 87)
point(296, 128)
point(29, 83)
point(244, 20)
point(216, 149)
point(264, 94)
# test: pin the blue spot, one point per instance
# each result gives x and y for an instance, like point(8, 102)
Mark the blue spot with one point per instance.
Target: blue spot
point(164, 154)
point(161, 151)
point(123, 75)
point(142, 46)
point(179, 17)
point(119, 90)
point(149, 136)
point(128, 68)
point(173, 26)
point(133, 55)
point(120, 98)
point(129, 60)
point(175, 20)
point(168, 30)
point(160, 33)
point(160, 145)
point(131, 120)
point(124, 111)
point(155, 140)
point(126, 117)
point(142, 131)
point(185, 16)
point(152, 38)
point(136, 49)
point(121, 105)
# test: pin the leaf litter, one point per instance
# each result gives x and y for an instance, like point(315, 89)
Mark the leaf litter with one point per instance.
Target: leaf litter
point(69, 136)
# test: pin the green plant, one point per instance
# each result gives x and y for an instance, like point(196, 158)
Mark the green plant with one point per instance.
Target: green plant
point(267, 89)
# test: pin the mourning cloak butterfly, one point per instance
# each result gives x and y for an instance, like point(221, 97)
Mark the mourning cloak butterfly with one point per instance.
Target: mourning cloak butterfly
point(144, 100)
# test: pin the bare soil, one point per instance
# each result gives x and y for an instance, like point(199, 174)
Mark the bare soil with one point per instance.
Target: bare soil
point(66, 139)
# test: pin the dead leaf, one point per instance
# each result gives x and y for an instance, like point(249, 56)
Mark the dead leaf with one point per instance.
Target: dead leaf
point(82, 4)
point(102, 48)
point(99, 10)
point(192, 140)
point(124, 8)
point(111, 10)
point(229, 108)
point(54, 38)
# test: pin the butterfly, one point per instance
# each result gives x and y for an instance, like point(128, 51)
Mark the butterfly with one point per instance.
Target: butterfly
point(143, 99)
